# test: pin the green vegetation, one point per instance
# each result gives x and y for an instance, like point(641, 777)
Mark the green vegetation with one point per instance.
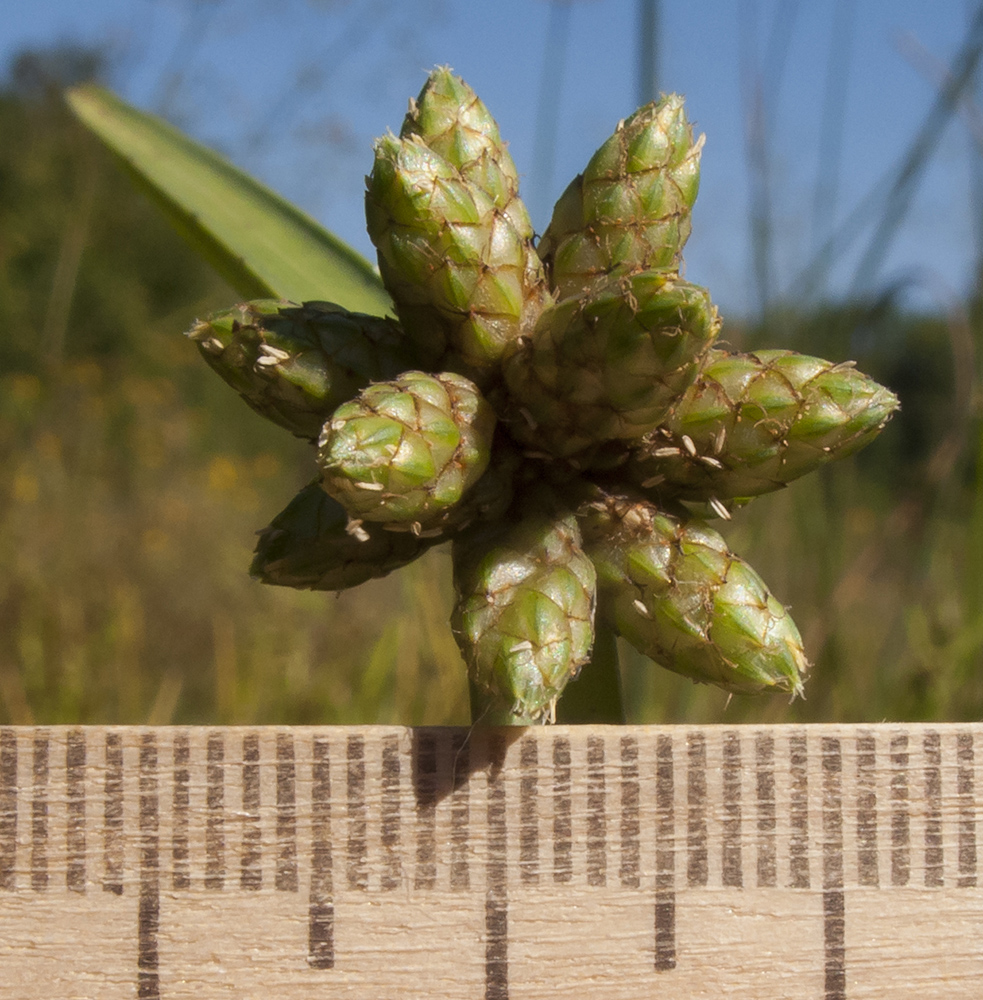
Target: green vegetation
point(131, 485)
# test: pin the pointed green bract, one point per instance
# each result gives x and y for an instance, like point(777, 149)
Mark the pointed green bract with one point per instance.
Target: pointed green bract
point(449, 118)
point(454, 239)
point(630, 209)
point(309, 546)
point(295, 364)
point(609, 365)
point(524, 615)
point(405, 452)
point(751, 423)
point(680, 596)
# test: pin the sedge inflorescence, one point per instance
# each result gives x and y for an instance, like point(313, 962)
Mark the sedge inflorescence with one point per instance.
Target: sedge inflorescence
point(556, 410)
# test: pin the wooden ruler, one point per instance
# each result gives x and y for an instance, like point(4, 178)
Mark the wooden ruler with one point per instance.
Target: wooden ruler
point(825, 862)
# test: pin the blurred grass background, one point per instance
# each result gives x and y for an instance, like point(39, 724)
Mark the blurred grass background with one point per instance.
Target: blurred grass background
point(132, 483)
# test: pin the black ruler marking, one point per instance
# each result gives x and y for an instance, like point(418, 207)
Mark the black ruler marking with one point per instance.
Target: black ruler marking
point(286, 814)
point(562, 814)
point(148, 921)
point(900, 819)
point(963, 859)
point(461, 812)
point(112, 816)
point(215, 813)
point(665, 857)
point(320, 927)
point(597, 848)
point(630, 871)
point(358, 876)
point(496, 896)
point(834, 908)
point(251, 856)
point(697, 858)
point(965, 791)
point(764, 754)
point(75, 761)
point(181, 812)
point(798, 847)
point(39, 813)
point(529, 811)
point(425, 789)
point(8, 808)
point(392, 870)
point(868, 862)
point(732, 861)
point(934, 857)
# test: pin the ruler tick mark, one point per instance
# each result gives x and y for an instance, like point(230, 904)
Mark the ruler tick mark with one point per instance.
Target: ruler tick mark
point(180, 813)
point(867, 857)
point(562, 816)
point(320, 926)
point(250, 862)
point(832, 759)
point(665, 858)
point(496, 898)
point(934, 858)
point(286, 814)
point(834, 906)
point(425, 788)
point(112, 816)
point(764, 751)
point(75, 754)
point(392, 873)
point(967, 811)
point(697, 861)
point(39, 814)
point(215, 816)
point(834, 941)
point(148, 921)
point(529, 811)
point(630, 871)
point(799, 876)
point(733, 871)
point(8, 808)
point(900, 820)
point(358, 877)
point(596, 818)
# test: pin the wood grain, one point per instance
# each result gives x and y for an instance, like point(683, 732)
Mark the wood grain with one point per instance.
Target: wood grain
point(831, 862)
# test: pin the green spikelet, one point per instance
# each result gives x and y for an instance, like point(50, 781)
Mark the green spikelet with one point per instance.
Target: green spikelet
point(405, 452)
point(630, 209)
point(449, 118)
point(308, 545)
point(296, 364)
point(454, 239)
point(751, 423)
point(680, 596)
point(524, 616)
point(609, 365)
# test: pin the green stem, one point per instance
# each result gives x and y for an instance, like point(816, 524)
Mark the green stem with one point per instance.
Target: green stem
point(595, 696)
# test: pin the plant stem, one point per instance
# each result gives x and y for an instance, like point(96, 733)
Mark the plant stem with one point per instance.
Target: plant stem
point(595, 696)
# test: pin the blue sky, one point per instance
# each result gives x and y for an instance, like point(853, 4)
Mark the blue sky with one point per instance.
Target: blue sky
point(295, 91)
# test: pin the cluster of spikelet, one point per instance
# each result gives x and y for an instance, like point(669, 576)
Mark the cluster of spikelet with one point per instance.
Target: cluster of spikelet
point(557, 410)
